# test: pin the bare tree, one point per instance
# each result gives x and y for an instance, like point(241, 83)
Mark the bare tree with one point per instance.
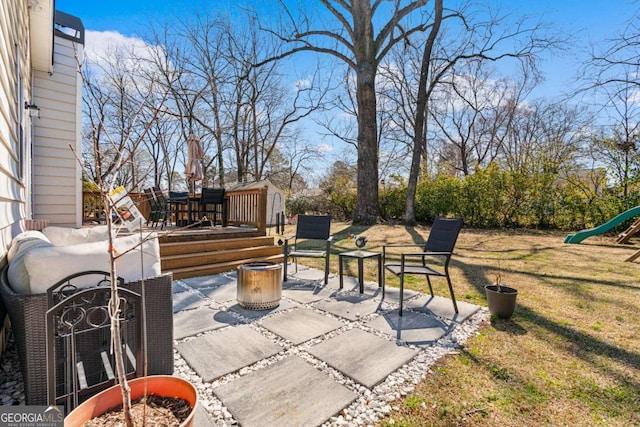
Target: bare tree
point(618, 145)
point(207, 40)
point(487, 40)
point(472, 113)
point(298, 158)
point(618, 63)
point(161, 148)
point(121, 103)
point(266, 111)
point(121, 107)
point(611, 79)
point(187, 91)
point(353, 38)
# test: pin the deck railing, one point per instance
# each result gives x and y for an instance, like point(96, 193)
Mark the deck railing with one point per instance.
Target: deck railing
point(93, 207)
point(247, 207)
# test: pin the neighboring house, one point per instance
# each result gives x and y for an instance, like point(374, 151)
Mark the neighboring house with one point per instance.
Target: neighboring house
point(275, 197)
point(40, 118)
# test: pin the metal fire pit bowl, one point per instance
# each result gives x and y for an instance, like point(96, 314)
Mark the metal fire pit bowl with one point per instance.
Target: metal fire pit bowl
point(259, 285)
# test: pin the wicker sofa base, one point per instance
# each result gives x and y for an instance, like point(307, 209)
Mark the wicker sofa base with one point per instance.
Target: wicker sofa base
point(28, 321)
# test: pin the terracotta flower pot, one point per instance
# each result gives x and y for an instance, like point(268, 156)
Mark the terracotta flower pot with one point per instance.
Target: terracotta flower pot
point(161, 385)
point(501, 304)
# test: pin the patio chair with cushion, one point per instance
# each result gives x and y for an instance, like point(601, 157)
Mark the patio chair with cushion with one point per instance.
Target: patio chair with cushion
point(312, 240)
point(440, 243)
point(212, 205)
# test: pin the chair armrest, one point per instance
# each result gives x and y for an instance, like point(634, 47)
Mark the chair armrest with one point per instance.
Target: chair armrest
point(398, 245)
point(422, 255)
point(405, 245)
point(329, 240)
point(427, 253)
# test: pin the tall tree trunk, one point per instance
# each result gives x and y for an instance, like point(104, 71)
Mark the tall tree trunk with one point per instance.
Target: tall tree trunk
point(364, 49)
point(367, 208)
point(419, 124)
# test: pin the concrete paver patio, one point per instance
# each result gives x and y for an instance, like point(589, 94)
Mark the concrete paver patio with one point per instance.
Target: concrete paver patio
point(308, 359)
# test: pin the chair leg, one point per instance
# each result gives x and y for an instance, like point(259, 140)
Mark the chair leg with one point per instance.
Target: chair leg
point(430, 287)
point(401, 293)
point(285, 255)
point(453, 298)
point(284, 267)
point(326, 269)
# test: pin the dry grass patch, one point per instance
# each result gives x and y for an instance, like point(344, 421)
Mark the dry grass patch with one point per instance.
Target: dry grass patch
point(569, 356)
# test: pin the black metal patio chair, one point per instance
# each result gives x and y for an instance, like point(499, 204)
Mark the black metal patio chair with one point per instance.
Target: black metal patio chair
point(178, 207)
point(315, 231)
point(213, 204)
point(156, 212)
point(440, 243)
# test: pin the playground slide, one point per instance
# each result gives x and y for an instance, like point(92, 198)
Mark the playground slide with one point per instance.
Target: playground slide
point(617, 220)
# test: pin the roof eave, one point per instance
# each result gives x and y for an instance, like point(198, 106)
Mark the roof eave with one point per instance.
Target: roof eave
point(41, 13)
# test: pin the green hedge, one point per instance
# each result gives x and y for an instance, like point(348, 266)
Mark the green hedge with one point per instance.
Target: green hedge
point(490, 198)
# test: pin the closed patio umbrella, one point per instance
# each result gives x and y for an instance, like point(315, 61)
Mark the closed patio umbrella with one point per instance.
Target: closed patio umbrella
point(195, 155)
point(193, 172)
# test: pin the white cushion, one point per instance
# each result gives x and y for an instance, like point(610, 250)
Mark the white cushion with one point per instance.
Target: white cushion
point(65, 236)
point(21, 245)
point(41, 267)
point(25, 240)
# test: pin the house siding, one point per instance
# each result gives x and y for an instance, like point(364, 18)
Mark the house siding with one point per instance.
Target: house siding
point(14, 47)
point(57, 188)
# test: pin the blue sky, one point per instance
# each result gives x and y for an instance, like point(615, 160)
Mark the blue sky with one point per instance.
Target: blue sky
point(587, 21)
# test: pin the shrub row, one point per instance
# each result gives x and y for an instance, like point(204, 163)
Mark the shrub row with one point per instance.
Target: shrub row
point(491, 198)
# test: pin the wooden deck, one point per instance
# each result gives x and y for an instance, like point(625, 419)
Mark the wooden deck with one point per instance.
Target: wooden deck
point(201, 252)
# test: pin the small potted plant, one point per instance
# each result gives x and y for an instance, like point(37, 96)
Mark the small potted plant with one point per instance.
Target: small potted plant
point(501, 299)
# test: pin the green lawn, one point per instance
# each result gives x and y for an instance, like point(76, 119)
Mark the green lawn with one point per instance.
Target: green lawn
point(569, 356)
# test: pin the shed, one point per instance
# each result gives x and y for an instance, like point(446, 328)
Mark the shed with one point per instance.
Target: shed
point(275, 197)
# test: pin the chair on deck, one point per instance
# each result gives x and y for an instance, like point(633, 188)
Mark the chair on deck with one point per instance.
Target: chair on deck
point(440, 243)
point(162, 203)
point(312, 229)
point(156, 212)
point(178, 206)
point(212, 204)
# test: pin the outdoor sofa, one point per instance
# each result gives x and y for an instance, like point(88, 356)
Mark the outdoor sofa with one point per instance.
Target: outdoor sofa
point(27, 303)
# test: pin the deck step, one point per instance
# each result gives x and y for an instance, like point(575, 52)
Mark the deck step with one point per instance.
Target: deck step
point(212, 245)
point(210, 234)
point(205, 270)
point(215, 257)
point(205, 252)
